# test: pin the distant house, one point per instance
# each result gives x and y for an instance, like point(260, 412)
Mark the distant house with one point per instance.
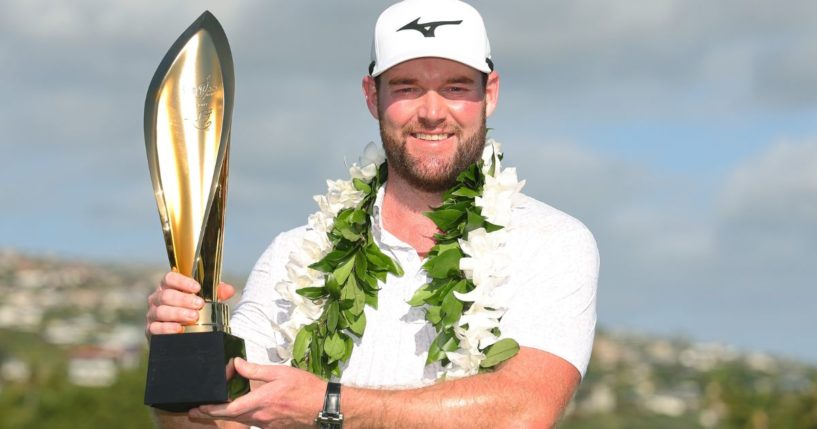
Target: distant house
point(14, 370)
point(94, 366)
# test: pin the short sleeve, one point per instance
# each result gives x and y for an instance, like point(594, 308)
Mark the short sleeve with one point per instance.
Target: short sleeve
point(260, 306)
point(554, 280)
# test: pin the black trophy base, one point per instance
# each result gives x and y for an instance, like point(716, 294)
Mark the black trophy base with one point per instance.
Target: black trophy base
point(188, 370)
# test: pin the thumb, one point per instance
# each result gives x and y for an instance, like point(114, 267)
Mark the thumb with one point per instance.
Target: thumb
point(225, 291)
point(252, 371)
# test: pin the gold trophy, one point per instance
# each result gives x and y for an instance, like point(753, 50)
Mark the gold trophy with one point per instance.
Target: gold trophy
point(188, 113)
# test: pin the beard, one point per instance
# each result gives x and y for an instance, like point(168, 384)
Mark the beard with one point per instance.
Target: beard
point(432, 174)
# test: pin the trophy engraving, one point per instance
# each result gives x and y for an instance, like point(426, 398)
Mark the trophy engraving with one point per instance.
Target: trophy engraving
point(188, 117)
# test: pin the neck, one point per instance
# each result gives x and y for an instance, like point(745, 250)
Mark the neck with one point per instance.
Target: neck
point(403, 208)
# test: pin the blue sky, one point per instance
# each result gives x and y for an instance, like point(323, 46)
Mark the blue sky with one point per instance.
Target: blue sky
point(682, 132)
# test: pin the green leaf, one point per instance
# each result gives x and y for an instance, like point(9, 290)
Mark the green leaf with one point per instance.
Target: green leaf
point(360, 266)
point(347, 233)
point(315, 366)
point(445, 341)
point(312, 292)
point(358, 297)
point(435, 353)
point(420, 296)
point(451, 310)
point(439, 287)
point(441, 265)
point(342, 272)
point(332, 286)
point(382, 262)
point(332, 316)
point(466, 175)
point(475, 221)
point(357, 324)
point(369, 284)
point(349, 348)
point(362, 186)
point(489, 227)
point(331, 260)
point(451, 345)
point(371, 301)
point(301, 346)
point(358, 217)
point(442, 247)
point(380, 276)
point(445, 219)
point(347, 297)
point(499, 351)
point(335, 346)
point(376, 258)
point(433, 314)
point(465, 192)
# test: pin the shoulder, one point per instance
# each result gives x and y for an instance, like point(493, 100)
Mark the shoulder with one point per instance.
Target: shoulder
point(288, 239)
point(539, 227)
point(281, 246)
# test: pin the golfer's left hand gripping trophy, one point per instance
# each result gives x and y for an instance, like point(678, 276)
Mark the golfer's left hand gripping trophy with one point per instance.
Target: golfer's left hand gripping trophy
point(188, 113)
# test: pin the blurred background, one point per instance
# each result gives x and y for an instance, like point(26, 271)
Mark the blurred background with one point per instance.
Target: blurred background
point(683, 133)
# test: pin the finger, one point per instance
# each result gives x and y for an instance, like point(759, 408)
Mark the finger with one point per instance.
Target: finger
point(161, 328)
point(166, 313)
point(252, 371)
point(174, 280)
point(225, 291)
point(175, 298)
point(234, 409)
point(195, 413)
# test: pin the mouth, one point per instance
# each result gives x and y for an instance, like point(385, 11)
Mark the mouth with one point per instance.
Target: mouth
point(435, 137)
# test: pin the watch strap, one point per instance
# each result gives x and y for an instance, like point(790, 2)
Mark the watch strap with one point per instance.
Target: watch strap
point(331, 417)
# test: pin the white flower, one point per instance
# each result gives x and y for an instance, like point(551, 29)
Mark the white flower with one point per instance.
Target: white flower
point(366, 173)
point(371, 159)
point(341, 195)
point(373, 154)
point(498, 195)
point(464, 363)
point(480, 323)
point(486, 261)
point(490, 154)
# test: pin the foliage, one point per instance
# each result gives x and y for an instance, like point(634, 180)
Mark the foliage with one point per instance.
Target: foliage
point(48, 400)
point(455, 217)
point(352, 271)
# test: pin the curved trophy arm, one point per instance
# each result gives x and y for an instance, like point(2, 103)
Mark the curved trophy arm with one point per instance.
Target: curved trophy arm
point(188, 111)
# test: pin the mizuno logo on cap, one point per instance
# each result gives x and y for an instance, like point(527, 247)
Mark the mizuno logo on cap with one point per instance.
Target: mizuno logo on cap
point(427, 29)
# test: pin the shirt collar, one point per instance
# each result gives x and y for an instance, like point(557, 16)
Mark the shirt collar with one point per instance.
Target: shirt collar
point(383, 237)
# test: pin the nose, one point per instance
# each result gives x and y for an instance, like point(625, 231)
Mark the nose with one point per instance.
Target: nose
point(433, 110)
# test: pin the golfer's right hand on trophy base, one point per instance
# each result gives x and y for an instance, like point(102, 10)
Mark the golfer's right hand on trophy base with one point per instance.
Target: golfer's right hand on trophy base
point(174, 304)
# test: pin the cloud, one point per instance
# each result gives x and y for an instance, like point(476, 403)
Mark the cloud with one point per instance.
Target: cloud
point(733, 267)
point(769, 205)
point(709, 58)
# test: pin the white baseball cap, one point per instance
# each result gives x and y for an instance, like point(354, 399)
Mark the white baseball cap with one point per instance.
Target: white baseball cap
point(448, 29)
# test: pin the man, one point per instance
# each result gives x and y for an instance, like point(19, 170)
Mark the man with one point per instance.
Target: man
point(431, 86)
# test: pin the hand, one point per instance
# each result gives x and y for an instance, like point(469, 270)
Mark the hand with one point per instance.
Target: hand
point(174, 304)
point(281, 397)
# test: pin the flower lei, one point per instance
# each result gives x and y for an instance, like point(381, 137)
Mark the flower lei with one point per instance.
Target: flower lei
point(336, 270)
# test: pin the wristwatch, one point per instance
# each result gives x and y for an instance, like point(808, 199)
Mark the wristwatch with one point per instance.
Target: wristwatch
point(331, 417)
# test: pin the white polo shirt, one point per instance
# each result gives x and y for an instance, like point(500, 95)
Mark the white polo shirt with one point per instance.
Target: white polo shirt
point(553, 281)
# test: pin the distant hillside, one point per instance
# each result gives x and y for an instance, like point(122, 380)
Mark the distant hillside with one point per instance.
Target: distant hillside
point(71, 340)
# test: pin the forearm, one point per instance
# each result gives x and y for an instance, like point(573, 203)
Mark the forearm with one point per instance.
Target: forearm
point(166, 420)
point(516, 395)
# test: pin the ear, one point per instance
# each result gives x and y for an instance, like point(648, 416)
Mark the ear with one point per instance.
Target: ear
point(370, 93)
point(491, 93)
